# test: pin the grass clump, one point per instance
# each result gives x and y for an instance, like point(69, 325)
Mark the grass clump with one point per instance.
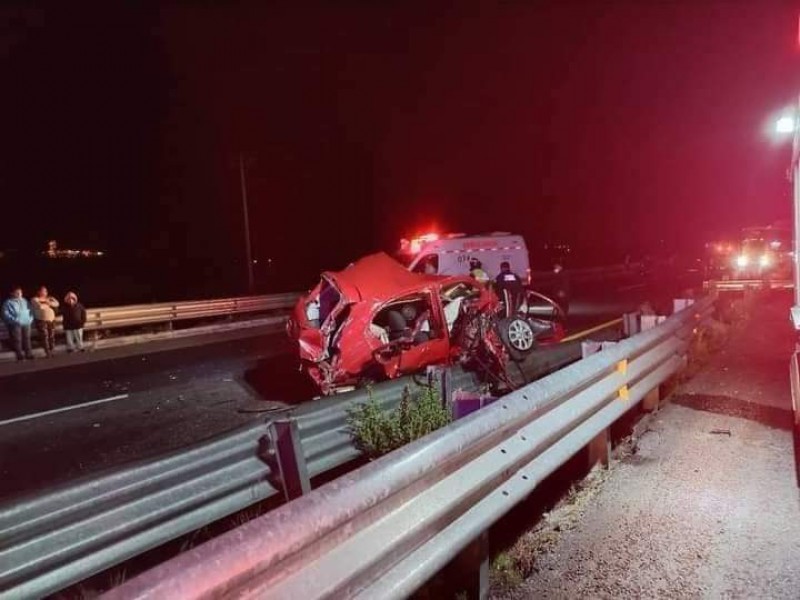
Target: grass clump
point(505, 572)
point(377, 432)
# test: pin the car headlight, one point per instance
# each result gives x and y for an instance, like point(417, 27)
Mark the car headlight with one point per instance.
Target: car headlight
point(742, 260)
point(764, 261)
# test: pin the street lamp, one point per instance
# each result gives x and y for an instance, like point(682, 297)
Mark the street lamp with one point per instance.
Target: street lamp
point(786, 124)
point(790, 124)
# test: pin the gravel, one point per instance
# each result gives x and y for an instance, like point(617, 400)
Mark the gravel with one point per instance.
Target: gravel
point(692, 514)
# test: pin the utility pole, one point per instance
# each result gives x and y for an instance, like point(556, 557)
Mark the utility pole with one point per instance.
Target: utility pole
point(249, 255)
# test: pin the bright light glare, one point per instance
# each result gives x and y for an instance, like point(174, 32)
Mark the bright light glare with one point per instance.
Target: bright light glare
point(742, 260)
point(418, 242)
point(764, 261)
point(785, 125)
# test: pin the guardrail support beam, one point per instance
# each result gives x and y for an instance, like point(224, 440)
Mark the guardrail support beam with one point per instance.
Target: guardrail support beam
point(652, 400)
point(285, 439)
point(599, 450)
point(472, 569)
point(630, 324)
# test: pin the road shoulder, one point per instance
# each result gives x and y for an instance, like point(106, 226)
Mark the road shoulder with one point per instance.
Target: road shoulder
point(705, 507)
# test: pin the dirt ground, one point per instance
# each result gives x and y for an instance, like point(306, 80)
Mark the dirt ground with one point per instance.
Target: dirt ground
point(706, 506)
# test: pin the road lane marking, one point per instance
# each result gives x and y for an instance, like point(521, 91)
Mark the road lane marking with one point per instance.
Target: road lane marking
point(60, 410)
point(591, 330)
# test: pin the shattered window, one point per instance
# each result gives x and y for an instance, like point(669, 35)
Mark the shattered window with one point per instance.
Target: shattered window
point(407, 318)
point(459, 290)
point(328, 300)
point(452, 299)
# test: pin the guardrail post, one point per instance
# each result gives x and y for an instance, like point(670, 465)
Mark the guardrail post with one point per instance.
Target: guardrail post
point(599, 450)
point(471, 567)
point(652, 400)
point(285, 439)
point(630, 324)
point(440, 379)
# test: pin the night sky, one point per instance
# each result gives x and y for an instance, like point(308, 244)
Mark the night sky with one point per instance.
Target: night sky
point(609, 125)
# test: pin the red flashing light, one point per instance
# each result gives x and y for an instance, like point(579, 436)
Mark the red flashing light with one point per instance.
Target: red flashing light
point(416, 243)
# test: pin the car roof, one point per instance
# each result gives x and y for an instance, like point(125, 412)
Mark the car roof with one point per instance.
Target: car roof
point(379, 276)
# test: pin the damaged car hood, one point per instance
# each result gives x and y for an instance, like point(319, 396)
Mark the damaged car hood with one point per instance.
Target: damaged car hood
point(377, 276)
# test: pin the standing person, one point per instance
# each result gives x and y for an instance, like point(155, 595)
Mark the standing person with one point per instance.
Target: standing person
point(74, 315)
point(17, 316)
point(44, 313)
point(509, 288)
point(476, 271)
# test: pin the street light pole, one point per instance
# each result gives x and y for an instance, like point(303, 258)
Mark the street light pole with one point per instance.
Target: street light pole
point(249, 256)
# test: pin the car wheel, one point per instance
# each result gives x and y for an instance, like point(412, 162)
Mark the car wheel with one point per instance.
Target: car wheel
point(518, 337)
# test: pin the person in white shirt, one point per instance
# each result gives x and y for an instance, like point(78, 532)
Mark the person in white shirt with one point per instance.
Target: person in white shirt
point(44, 313)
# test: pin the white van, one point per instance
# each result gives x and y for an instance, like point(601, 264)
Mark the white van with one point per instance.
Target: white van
point(449, 254)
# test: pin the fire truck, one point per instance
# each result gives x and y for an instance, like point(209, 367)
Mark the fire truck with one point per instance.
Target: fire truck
point(763, 252)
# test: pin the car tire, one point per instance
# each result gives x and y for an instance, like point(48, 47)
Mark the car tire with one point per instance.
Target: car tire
point(518, 337)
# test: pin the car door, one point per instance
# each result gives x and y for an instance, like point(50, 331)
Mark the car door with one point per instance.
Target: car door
point(434, 350)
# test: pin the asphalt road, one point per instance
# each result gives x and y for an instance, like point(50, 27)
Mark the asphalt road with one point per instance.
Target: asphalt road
point(61, 424)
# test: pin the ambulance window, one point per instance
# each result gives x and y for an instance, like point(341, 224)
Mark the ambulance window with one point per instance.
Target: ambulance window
point(428, 264)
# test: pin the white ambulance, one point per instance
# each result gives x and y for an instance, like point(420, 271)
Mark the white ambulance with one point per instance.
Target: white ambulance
point(450, 254)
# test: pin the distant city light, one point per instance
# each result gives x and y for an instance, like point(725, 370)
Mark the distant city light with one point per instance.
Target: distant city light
point(53, 251)
point(786, 124)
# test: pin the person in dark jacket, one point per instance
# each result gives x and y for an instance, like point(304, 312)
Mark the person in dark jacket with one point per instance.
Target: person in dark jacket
point(509, 288)
point(74, 315)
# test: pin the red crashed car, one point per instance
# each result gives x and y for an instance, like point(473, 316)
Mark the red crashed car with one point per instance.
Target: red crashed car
point(375, 320)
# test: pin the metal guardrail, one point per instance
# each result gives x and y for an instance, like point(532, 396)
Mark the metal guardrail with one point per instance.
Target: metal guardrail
point(51, 541)
point(383, 530)
point(112, 317)
point(738, 285)
point(86, 526)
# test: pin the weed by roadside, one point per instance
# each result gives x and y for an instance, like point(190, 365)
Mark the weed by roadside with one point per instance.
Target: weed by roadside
point(377, 432)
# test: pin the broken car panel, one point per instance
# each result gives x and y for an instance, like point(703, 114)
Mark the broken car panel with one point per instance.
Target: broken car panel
point(376, 320)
